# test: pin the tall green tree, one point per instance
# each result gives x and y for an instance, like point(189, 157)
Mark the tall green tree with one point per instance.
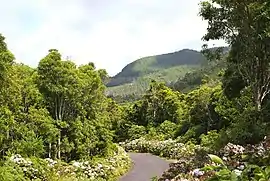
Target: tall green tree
point(57, 81)
point(159, 104)
point(245, 27)
point(9, 97)
point(75, 98)
point(6, 59)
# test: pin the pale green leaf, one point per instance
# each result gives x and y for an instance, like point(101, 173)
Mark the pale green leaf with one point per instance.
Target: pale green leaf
point(216, 159)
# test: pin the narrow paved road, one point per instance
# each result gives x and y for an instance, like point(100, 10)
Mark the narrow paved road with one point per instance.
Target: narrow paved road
point(145, 166)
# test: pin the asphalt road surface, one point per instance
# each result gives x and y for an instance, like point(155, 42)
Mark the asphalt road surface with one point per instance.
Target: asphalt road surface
point(145, 166)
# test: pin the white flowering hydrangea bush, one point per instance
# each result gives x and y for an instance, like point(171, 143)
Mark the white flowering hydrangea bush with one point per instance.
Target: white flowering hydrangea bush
point(104, 169)
point(233, 162)
point(32, 169)
point(101, 169)
point(169, 148)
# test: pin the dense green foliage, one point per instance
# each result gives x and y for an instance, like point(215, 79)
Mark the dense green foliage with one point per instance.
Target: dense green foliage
point(226, 102)
point(57, 111)
point(47, 108)
point(210, 73)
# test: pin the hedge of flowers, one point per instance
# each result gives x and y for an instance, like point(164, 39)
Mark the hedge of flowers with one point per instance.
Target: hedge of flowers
point(233, 162)
point(108, 169)
point(47, 169)
point(168, 148)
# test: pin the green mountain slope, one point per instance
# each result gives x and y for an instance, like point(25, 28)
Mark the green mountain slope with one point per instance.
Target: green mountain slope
point(209, 73)
point(134, 79)
point(138, 86)
point(154, 66)
point(192, 80)
point(183, 70)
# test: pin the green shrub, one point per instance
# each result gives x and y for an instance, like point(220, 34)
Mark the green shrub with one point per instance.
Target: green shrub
point(212, 140)
point(167, 128)
point(153, 134)
point(136, 132)
point(189, 135)
point(11, 173)
point(248, 128)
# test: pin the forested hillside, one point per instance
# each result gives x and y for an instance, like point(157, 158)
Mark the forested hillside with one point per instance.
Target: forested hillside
point(135, 78)
point(174, 69)
point(192, 80)
point(152, 64)
point(133, 91)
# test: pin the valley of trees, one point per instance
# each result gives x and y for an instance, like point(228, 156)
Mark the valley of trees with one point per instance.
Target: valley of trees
point(60, 111)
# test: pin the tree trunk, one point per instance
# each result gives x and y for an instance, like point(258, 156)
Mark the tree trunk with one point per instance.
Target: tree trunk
point(258, 99)
point(258, 105)
point(59, 146)
point(54, 151)
point(50, 150)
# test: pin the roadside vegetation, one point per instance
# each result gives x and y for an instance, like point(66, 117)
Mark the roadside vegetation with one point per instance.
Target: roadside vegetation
point(56, 122)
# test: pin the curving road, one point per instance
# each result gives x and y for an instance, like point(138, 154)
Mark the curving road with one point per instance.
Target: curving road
point(145, 166)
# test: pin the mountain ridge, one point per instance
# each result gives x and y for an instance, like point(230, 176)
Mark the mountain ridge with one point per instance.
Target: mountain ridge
point(150, 64)
point(182, 70)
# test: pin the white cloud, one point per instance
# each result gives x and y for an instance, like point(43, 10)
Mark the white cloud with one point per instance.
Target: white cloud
point(110, 34)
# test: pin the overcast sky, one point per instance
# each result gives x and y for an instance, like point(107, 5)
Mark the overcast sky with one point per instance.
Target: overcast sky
point(110, 33)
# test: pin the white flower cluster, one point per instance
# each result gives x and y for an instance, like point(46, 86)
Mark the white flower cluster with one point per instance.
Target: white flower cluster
point(19, 160)
point(197, 172)
point(237, 172)
point(51, 162)
point(25, 164)
point(168, 148)
point(260, 150)
point(85, 169)
point(231, 149)
point(180, 179)
point(103, 169)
